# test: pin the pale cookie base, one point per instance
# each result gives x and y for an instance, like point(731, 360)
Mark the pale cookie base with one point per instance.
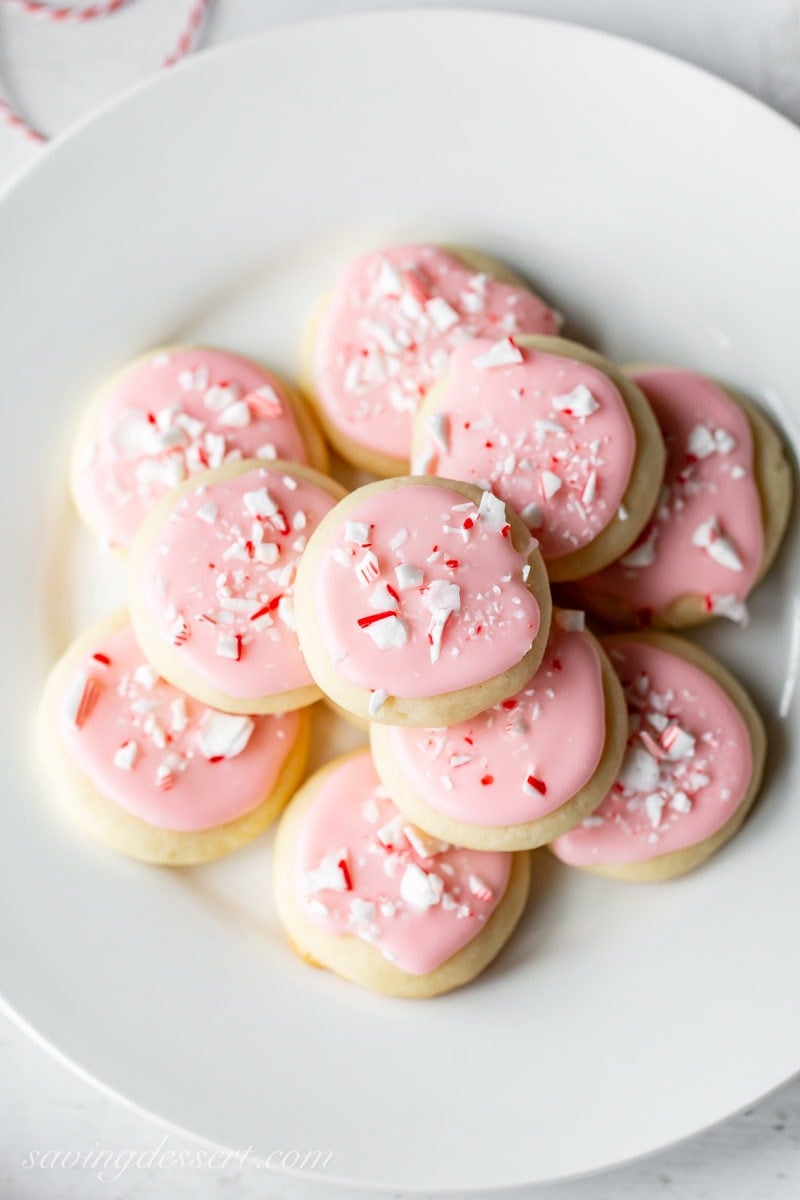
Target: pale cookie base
point(529, 835)
point(165, 657)
point(678, 862)
point(86, 432)
point(447, 708)
point(105, 820)
point(773, 478)
point(349, 718)
point(358, 961)
point(647, 470)
point(383, 465)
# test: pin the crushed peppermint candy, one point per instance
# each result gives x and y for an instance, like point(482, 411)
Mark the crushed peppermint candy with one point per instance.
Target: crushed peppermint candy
point(502, 354)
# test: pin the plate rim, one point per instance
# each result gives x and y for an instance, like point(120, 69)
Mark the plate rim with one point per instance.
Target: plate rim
point(205, 61)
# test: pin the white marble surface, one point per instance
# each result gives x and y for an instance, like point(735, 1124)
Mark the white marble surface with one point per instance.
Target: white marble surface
point(55, 74)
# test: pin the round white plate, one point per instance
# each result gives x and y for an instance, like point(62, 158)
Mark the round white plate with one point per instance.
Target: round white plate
point(659, 209)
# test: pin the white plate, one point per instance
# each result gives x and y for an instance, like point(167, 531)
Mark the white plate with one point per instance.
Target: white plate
point(659, 209)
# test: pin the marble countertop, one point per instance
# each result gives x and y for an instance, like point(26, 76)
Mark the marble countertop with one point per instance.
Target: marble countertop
point(55, 74)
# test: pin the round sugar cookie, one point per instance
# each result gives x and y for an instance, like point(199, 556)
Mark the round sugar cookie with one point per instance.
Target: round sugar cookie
point(524, 771)
point(212, 573)
point(370, 897)
point(147, 770)
point(385, 333)
point(173, 413)
point(720, 517)
point(692, 768)
point(557, 432)
point(421, 601)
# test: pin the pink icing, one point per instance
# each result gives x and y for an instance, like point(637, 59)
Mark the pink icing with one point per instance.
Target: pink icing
point(437, 580)
point(219, 580)
point(707, 535)
point(686, 770)
point(158, 754)
point(523, 758)
point(550, 435)
point(363, 870)
point(393, 320)
point(174, 414)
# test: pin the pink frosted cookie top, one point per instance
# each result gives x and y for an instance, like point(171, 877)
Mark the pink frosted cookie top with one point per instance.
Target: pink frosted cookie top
point(218, 582)
point(550, 435)
point(706, 536)
point(523, 758)
point(392, 322)
point(420, 592)
point(363, 870)
point(686, 769)
point(171, 415)
point(158, 754)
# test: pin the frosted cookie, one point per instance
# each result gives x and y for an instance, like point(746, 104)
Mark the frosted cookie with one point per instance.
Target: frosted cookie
point(720, 516)
point(557, 432)
point(692, 767)
point(421, 602)
point(365, 894)
point(150, 772)
point(173, 413)
point(212, 573)
point(525, 770)
point(386, 332)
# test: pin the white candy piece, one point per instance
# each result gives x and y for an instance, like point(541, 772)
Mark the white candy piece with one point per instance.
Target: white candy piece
point(443, 316)
point(731, 607)
point(654, 806)
point(392, 834)
point(286, 612)
point(125, 758)
point(725, 441)
point(329, 875)
point(388, 633)
point(641, 556)
point(420, 889)
point(268, 403)
point(367, 569)
point(492, 511)
point(578, 403)
point(701, 442)
point(356, 532)
point(224, 734)
point(677, 743)
point(227, 646)
point(438, 426)
point(377, 700)
point(709, 537)
point(408, 577)
point(532, 515)
point(267, 552)
point(589, 494)
point(382, 600)
point(235, 416)
point(550, 483)
point(180, 717)
point(681, 803)
point(501, 354)
point(425, 845)
point(145, 676)
point(208, 512)
point(639, 771)
point(479, 888)
point(260, 503)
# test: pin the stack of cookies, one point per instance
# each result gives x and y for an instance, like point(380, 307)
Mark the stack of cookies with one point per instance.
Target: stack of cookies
point(523, 481)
